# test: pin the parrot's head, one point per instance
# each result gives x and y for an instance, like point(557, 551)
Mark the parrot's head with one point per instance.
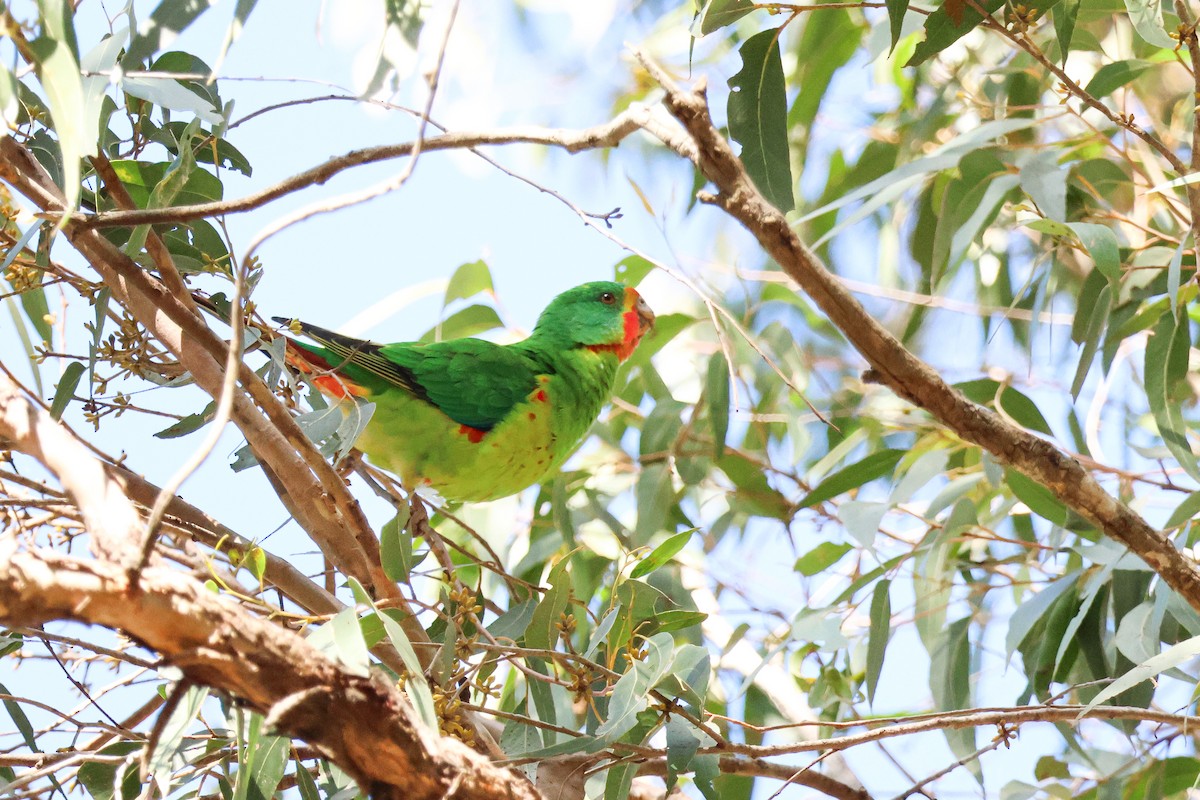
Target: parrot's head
point(600, 316)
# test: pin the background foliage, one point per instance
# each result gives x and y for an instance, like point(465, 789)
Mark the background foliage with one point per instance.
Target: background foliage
point(759, 547)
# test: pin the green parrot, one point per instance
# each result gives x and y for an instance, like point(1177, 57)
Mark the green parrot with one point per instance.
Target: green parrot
point(475, 420)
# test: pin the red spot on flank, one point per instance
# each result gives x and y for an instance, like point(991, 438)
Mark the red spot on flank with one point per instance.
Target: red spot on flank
point(540, 396)
point(474, 435)
point(532, 415)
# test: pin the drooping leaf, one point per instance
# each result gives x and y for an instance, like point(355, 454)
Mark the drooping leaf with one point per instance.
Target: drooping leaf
point(942, 30)
point(880, 632)
point(1065, 15)
point(758, 118)
point(56, 58)
point(896, 10)
point(719, 13)
point(1165, 365)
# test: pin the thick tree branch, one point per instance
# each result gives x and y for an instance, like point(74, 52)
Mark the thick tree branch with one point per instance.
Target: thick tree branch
point(901, 371)
point(361, 722)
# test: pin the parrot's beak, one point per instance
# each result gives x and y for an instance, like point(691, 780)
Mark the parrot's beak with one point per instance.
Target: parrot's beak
point(644, 314)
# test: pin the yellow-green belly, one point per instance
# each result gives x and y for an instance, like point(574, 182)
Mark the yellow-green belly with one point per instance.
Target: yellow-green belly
point(424, 447)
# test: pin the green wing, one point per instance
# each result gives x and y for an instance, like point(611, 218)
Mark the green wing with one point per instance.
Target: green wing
point(472, 381)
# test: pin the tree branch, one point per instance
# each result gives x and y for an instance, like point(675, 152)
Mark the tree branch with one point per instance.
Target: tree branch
point(361, 722)
point(901, 371)
point(610, 134)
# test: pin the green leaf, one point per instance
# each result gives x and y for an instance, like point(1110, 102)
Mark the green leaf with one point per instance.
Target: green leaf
point(682, 745)
point(65, 391)
point(624, 704)
point(717, 395)
point(1172, 657)
point(655, 496)
point(950, 682)
point(830, 39)
point(1091, 339)
point(20, 721)
point(1046, 183)
point(190, 423)
point(941, 30)
point(677, 620)
point(619, 782)
point(631, 270)
point(1042, 502)
point(542, 633)
point(161, 763)
point(719, 13)
point(142, 178)
point(896, 10)
point(56, 59)
point(1012, 402)
point(1146, 16)
point(1065, 15)
point(396, 547)
point(513, 623)
point(880, 632)
point(416, 686)
point(1114, 75)
point(349, 644)
point(467, 281)
point(1165, 366)
point(920, 473)
point(661, 554)
point(821, 557)
point(10, 92)
point(1102, 246)
point(862, 519)
point(100, 778)
point(1173, 274)
point(1184, 512)
point(1031, 610)
point(305, 783)
point(198, 97)
point(870, 468)
point(472, 320)
point(167, 21)
point(758, 118)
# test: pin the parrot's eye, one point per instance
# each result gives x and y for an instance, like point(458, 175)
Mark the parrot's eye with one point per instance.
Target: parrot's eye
point(608, 298)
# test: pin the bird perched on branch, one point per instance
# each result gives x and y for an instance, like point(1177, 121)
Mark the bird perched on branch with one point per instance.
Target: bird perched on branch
point(476, 420)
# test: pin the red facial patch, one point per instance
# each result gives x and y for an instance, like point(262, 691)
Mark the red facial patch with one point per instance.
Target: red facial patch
point(624, 348)
point(474, 435)
point(540, 396)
